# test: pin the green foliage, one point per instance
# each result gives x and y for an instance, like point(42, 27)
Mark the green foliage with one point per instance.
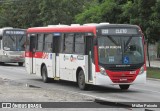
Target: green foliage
point(145, 13)
point(107, 11)
point(34, 13)
point(153, 73)
point(21, 14)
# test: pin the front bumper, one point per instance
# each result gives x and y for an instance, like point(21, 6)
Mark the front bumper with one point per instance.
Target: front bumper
point(105, 80)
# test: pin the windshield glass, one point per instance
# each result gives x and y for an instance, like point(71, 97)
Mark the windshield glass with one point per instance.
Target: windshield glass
point(120, 50)
point(14, 42)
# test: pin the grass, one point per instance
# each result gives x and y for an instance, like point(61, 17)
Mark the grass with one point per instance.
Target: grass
point(153, 72)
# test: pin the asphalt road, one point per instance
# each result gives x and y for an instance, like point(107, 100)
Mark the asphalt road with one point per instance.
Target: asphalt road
point(148, 92)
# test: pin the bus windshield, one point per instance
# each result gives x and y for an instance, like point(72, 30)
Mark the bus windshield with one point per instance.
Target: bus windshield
point(120, 50)
point(14, 42)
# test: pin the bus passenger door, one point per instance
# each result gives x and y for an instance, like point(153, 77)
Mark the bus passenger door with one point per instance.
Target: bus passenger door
point(56, 50)
point(89, 53)
point(33, 42)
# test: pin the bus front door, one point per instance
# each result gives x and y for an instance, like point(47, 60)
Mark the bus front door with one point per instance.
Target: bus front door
point(89, 53)
point(33, 42)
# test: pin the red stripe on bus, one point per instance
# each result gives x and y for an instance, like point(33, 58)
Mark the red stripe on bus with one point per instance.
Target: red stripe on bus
point(96, 59)
point(35, 55)
point(62, 29)
point(38, 55)
point(28, 54)
point(123, 76)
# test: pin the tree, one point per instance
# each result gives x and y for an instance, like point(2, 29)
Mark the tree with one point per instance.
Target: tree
point(21, 14)
point(60, 11)
point(35, 13)
point(140, 12)
point(102, 11)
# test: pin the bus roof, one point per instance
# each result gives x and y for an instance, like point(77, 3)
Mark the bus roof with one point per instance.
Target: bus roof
point(2, 30)
point(62, 29)
point(76, 28)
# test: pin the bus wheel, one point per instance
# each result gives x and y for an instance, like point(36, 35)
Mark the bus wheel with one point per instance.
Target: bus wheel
point(20, 63)
point(124, 87)
point(44, 74)
point(81, 81)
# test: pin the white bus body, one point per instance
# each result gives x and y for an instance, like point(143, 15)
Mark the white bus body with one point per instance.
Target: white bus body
point(71, 53)
point(12, 45)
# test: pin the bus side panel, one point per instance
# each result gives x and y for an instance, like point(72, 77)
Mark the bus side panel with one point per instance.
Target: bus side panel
point(89, 73)
point(69, 64)
point(86, 68)
point(1, 53)
point(65, 67)
point(38, 66)
point(49, 60)
point(28, 64)
point(57, 66)
point(93, 73)
point(34, 65)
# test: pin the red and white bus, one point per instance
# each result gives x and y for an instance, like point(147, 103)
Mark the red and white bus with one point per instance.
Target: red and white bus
point(97, 54)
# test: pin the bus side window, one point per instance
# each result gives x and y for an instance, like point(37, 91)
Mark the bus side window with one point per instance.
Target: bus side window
point(39, 46)
point(33, 42)
point(79, 43)
point(48, 43)
point(27, 43)
point(68, 43)
point(57, 44)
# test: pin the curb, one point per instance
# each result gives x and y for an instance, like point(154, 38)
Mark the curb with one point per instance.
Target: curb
point(153, 79)
point(112, 104)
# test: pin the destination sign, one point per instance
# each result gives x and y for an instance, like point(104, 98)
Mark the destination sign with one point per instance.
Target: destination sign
point(14, 32)
point(117, 31)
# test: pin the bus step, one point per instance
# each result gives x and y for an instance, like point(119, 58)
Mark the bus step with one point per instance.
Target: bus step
point(56, 78)
point(90, 81)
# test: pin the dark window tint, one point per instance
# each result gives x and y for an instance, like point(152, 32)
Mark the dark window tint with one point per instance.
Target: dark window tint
point(48, 43)
point(40, 42)
point(79, 44)
point(68, 43)
point(33, 42)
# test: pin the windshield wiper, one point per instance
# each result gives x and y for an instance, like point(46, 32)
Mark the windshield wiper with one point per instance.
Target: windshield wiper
point(20, 39)
point(113, 40)
point(11, 38)
point(125, 45)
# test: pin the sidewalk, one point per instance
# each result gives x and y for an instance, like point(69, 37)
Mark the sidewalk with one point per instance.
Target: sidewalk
point(154, 63)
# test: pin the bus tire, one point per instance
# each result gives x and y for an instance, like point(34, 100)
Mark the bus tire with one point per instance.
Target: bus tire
point(124, 87)
point(81, 81)
point(20, 63)
point(44, 74)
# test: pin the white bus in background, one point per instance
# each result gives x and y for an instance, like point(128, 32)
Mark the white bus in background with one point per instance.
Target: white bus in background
point(12, 45)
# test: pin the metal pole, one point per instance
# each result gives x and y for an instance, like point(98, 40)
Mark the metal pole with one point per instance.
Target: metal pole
point(148, 54)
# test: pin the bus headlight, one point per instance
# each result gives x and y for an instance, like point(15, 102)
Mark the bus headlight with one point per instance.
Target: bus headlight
point(141, 70)
point(102, 71)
